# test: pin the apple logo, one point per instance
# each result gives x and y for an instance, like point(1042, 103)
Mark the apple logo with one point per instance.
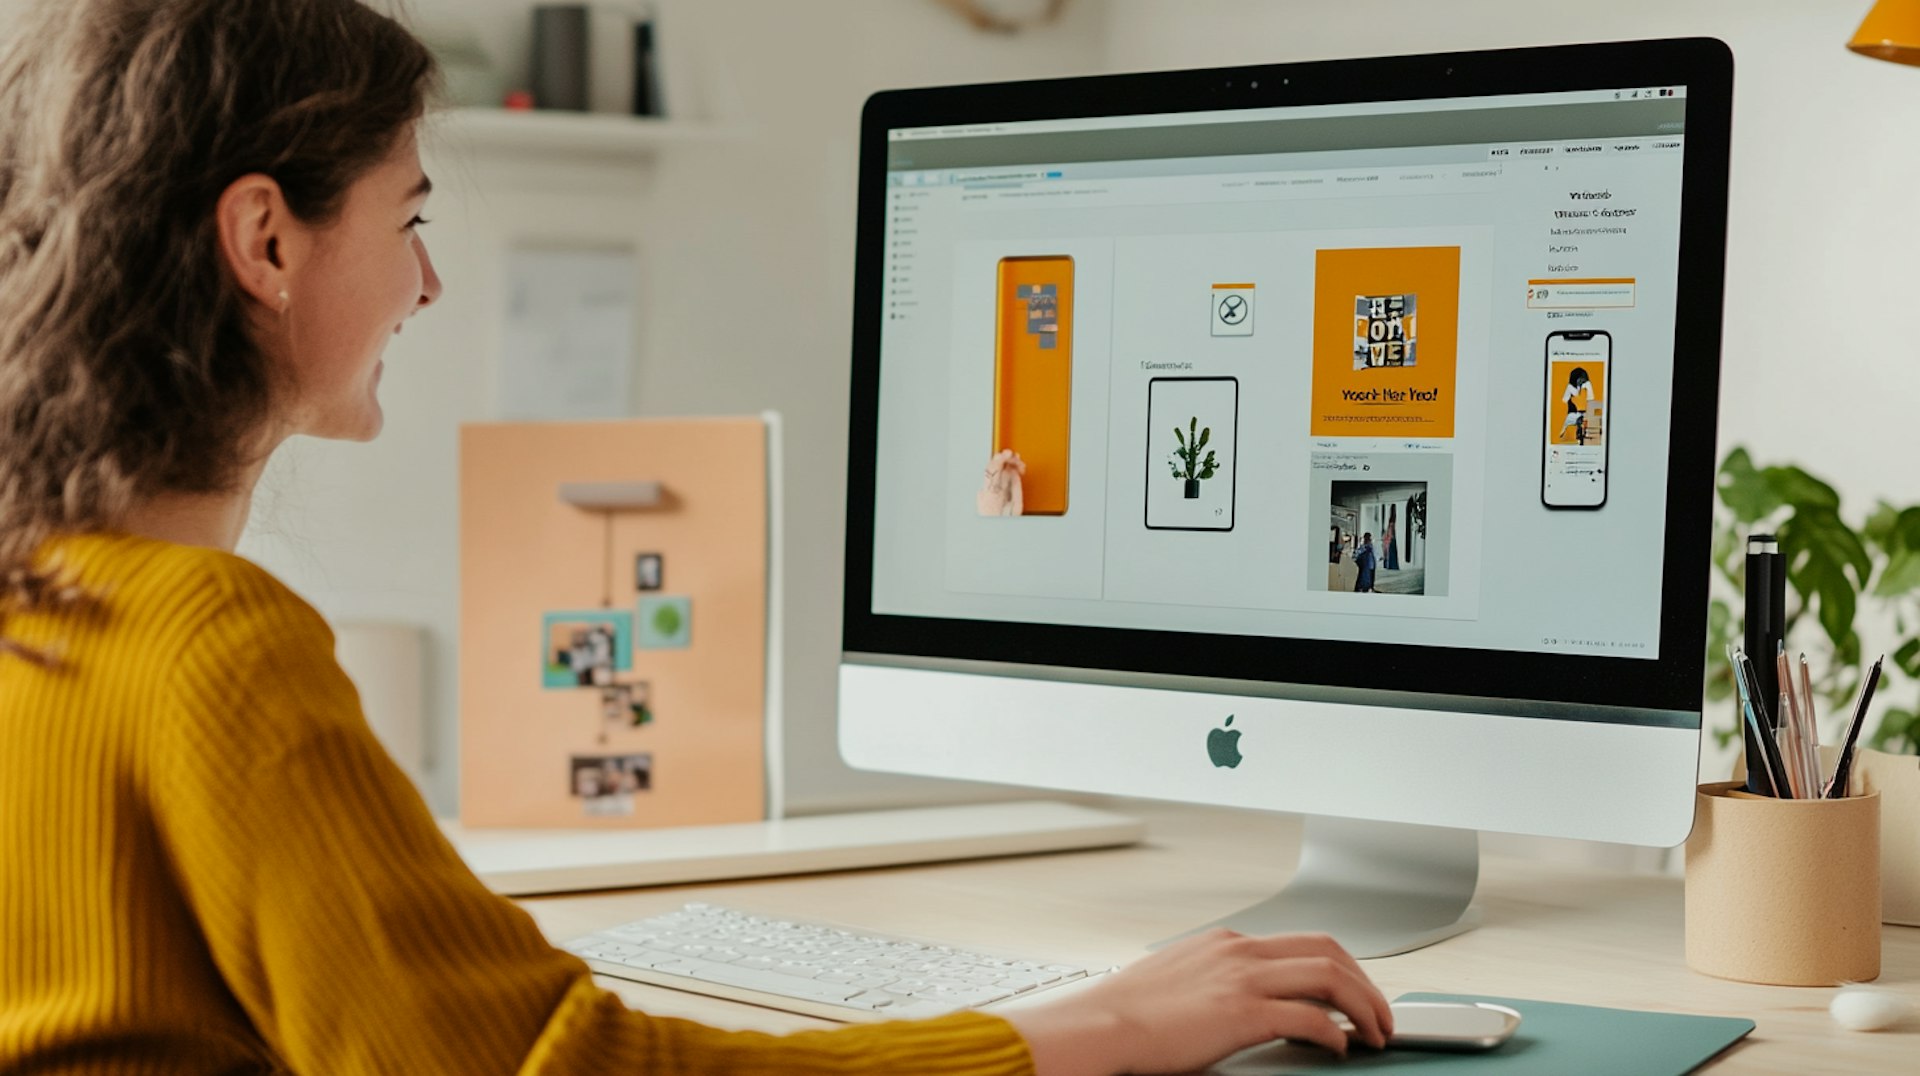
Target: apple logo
point(1223, 745)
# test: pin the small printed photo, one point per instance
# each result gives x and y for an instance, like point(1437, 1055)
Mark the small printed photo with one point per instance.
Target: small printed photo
point(585, 649)
point(649, 571)
point(666, 623)
point(1376, 536)
point(606, 784)
point(1383, 331)
point(626, 705)
point(1577, 402)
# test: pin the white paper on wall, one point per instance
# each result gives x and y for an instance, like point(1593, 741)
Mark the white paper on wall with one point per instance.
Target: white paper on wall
point(568, 349)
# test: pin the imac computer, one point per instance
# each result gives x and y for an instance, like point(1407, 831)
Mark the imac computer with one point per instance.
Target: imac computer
point(1332, 438)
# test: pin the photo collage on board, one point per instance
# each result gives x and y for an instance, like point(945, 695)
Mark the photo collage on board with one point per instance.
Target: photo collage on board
point(594, 652)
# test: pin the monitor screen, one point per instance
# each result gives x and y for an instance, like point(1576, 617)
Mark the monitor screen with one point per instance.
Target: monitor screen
point(1354, 394)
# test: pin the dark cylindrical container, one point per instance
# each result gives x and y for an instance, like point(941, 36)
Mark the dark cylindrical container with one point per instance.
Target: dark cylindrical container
point(646, 72)
point(560, 56)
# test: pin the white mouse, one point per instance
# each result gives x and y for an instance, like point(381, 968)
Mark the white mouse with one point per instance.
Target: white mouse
point(1866, 1008)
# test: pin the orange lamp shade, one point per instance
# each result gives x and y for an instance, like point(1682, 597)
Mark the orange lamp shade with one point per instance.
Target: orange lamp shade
point(1891, 31)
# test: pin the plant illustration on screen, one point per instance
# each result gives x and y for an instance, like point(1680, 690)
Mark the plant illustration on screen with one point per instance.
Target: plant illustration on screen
point(1187, 463)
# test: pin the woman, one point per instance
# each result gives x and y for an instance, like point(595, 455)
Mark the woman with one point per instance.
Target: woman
point(208, 231)
point(1579, 382)
point(1363, 560)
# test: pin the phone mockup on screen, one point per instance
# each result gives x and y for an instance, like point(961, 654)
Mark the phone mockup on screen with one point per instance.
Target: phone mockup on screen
point(1574, 448)
point(1033, 375)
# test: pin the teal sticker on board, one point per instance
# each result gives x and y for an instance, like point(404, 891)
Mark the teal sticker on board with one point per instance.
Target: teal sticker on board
point(585, 648)
point(665, 623)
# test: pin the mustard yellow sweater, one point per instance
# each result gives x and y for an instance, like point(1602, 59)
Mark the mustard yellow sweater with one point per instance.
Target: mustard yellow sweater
point(209, 865)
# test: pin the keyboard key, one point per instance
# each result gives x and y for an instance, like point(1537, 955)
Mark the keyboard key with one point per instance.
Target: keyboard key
point(775, 983)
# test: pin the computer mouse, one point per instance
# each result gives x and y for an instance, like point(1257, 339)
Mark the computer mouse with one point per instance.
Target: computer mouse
point(1867, 1008)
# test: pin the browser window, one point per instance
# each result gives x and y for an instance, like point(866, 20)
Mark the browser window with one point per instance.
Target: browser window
point(1332, 372)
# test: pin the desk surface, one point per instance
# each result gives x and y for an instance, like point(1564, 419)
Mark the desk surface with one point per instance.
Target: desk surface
point(1550, 931)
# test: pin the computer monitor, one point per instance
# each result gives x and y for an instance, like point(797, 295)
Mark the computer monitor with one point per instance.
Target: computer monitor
point(1363, 420)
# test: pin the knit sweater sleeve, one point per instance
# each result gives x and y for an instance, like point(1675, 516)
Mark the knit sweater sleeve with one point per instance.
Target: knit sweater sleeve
point(354, 937)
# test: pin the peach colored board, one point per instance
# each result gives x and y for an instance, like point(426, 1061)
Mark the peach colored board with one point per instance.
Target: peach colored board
point(524, 553)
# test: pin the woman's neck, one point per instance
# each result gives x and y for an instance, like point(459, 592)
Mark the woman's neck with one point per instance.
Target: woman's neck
point(214, 520)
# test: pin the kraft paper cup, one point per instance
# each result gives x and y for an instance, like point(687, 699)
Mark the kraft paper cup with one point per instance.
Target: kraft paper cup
point(1785, 892)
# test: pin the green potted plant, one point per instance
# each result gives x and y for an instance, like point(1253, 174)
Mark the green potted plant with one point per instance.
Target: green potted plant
point(1187, 463)
point(1832, 569)
point(1839, 577)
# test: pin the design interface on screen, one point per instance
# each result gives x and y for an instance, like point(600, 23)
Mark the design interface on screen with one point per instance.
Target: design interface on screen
point(1339, 372)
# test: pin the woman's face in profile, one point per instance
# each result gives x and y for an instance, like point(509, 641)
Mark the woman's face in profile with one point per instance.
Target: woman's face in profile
point(366, 272)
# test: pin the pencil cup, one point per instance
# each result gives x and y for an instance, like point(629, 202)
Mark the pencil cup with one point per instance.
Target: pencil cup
point(1781, 891)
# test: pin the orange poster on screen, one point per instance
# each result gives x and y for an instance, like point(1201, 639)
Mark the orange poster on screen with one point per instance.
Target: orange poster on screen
point(1033, 376)
point(1386, 329)
point(1577, 401)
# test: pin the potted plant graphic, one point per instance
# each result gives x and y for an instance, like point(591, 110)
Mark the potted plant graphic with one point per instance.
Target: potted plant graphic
point(1187, 463)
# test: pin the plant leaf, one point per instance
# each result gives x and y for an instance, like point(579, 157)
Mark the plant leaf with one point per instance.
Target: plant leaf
point(1815, 539)
point(1848, 652)
point(1896, 725)
point(1800, 489)
point(1880, 527)
point(1744, 490)
point(1729, 553)
point(1906, 529)
point(1901, 576)
point(1907, 658)
point(1837, 604)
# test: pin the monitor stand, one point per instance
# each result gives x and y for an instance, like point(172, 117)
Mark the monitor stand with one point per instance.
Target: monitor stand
point(1379, 888)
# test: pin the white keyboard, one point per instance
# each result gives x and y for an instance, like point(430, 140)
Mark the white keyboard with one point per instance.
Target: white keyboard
point(814, 968)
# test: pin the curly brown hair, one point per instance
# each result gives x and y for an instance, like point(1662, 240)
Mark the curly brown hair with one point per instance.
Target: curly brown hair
point(128, 364)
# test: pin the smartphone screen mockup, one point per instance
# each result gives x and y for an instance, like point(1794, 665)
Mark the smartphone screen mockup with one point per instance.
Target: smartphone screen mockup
point(1574, 443)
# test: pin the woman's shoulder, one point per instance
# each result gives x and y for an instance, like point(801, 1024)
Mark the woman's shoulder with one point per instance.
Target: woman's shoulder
point(166, 588)
point(231, 637)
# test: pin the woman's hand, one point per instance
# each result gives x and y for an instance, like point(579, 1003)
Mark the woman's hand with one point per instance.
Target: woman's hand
point(1202, 999)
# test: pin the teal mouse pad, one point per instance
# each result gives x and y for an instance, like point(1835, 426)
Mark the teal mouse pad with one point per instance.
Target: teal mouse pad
point(1553, 1040)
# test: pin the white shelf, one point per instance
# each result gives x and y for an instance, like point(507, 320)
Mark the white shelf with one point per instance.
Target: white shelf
point(577, 134)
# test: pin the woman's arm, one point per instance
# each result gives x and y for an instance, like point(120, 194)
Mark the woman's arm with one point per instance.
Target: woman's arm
point(352, 935)
point(355, 939)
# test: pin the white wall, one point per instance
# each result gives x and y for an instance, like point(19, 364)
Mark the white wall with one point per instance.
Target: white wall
point(1823, 163)
point(1824, 167)
point(746, 290)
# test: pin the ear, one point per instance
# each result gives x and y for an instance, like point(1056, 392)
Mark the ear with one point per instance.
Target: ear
point(256, 234)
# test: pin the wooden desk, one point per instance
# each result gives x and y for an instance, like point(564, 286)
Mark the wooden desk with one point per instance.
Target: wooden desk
point(1550, 931)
